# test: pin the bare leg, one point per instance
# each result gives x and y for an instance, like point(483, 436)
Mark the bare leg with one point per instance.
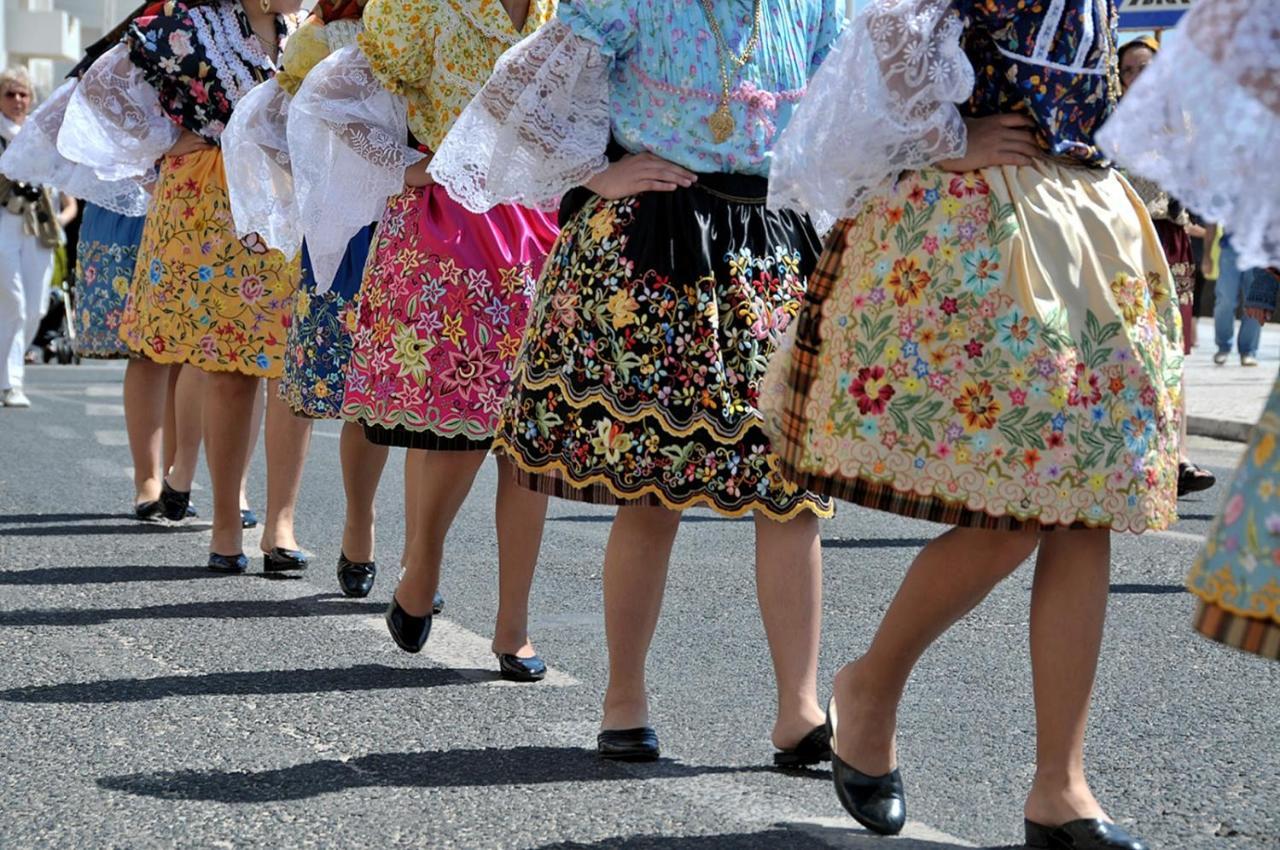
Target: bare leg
point(170, 438)
point(1068, 607)
point(444, 479)
point(228, 412)
point(635, 576)
point(362, 465)
point(255, 429)
point(520, 514)
point(188, 392)
point(948, 579)
point(414, 471)
point(145, 387)
point(288, 438)
point(789, 592)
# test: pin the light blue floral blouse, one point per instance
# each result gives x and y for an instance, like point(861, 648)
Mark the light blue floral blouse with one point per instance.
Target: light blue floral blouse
point(665, 79)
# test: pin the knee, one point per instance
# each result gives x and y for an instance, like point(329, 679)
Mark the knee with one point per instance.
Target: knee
point(655, 519)
point(1002, 551)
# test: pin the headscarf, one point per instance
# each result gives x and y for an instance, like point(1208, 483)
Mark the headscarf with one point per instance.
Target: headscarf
point(1147, 41)
point(149, 8)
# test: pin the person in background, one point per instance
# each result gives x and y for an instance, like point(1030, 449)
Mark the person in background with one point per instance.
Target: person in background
point(1232, 286)
point(31, 222)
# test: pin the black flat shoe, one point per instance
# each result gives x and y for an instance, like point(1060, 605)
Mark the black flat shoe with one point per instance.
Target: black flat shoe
point(812, 749)
point(148, 511)
point(248, 519)
point(1086, 834)
point(1193, 479)
point(877, 802)
point(516, 669)
point(639, 744)
point(175, 503)
point(284, 560)
point(409, 632)
point(228, 563)
point(356, 579)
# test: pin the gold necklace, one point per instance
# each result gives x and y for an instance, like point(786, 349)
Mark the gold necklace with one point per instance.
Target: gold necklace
point(721, 122)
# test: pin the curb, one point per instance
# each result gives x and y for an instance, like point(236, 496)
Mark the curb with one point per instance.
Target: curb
point(1219, 429)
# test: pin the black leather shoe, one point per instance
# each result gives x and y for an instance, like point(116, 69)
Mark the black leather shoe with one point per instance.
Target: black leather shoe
point(148, 511)
point(516, 669)
point(284, 560)
point(356, 580)
point(409, 632)
point(248, 519)
point(192, 513)
point(877, 802)
point(437, 603)
point(228, 563)
point(174, 503)
point(1085, 834)
point(812, 749)
point(639, 744)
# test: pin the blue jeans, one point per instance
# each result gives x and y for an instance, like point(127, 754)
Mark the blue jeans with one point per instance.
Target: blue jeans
point(1228, 293)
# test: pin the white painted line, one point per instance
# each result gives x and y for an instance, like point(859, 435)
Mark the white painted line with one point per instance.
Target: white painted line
point(59, 432)
point(845, 833)
point(103, 468)
point(112, 438)
point(91, 409)
point(104, 390)
point(329, 434)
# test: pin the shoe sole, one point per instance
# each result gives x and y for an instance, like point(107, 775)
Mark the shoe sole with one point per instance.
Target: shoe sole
point(630, 757)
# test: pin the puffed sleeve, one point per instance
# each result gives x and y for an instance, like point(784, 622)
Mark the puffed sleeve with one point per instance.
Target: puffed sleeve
point(33, 157)
point(255, 155)
point(540, 125)
point(399, 43)
point(611, 25)
point(884, 101)
point(172, 57)
point(307, 47)
point(114, 123)
point(347, 140)
point(1203, 121)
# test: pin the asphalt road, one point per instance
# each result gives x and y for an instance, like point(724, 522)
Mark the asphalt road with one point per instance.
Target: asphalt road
point(147, 702)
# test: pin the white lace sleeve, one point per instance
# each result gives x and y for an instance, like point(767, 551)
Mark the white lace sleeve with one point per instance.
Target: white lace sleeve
point(1203, 121)
point(347, 139)
point(538, 128)
point(114, 122)
point(255, 155)
point(881, 103)
point(33, 157)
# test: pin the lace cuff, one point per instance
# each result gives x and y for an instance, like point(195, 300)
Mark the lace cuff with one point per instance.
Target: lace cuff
point(538, 128)
point(259, 180)
point(881, 103)
point(1203, 120)
point(114, 122)
point(33, 157)
point(347, 137)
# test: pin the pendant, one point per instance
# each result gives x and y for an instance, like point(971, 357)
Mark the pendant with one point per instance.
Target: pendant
point(721, 124)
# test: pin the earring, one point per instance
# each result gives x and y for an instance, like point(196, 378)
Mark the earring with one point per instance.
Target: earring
point(266, 6)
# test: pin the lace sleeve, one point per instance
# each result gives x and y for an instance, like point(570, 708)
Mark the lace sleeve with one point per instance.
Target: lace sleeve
point(538, 128)
point(255, 154)
point(1203, 121)
point(33, 157)
point(882, 102)
point(347, 138)
point(114, 123)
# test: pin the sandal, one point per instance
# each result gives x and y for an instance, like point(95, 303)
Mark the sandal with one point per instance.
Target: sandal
point(1193, 479)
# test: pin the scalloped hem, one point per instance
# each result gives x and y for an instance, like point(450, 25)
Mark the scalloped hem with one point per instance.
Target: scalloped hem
point(1253, 635)
point(206, 365)
point(555, 479)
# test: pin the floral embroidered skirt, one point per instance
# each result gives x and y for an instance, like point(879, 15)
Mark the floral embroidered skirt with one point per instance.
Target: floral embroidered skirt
point(1176, 243)
point(1237, 576)
point(105, 257)
point(442, 309)
point(320, 335)
point(997, 349)
point(654, 321)
point(199, 294)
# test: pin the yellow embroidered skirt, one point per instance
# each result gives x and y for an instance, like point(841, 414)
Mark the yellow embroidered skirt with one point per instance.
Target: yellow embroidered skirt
point(996, 349)
point(200, 295)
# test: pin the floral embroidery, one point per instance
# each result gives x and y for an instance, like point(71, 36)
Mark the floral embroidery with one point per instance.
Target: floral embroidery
point(105, 259)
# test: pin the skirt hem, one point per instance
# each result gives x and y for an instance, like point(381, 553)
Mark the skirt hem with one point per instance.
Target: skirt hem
point(1253, 635)
point(407, 438)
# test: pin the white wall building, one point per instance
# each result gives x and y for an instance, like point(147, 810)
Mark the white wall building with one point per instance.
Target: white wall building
point(47, 36)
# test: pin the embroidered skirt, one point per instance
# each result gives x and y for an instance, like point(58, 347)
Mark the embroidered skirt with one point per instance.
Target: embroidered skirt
point(1176, 243)
point(1237, 576)
point(105, 258)
point(320, 334)
point(997, 349)
point(652, 326)
point(443, 307)
point(199, 294)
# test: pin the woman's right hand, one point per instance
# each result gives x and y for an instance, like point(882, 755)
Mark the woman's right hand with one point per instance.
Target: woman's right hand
point(416, 176)
point(1006, 139)
point(188, 143)
point(637, 173)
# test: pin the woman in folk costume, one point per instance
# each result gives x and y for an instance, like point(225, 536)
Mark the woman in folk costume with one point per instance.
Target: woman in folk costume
point(260, 188)
point(1202, 121)
point(105, 258)
point(445, 297)
point(200, 295)
point(670, 285)
point(991, 342)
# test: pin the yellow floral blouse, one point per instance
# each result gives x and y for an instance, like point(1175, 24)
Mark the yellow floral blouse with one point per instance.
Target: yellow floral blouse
point(310, 45)
point(438, 53)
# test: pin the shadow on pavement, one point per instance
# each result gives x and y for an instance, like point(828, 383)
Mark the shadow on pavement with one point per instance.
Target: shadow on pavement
point(35, 518)
point(105, 575)
point(363, 677)
point(125, 526)
point(1153, 589)
point(430, 769)
point(878, 543)
point(798, 836)
point(687, 517)
point(239, 609)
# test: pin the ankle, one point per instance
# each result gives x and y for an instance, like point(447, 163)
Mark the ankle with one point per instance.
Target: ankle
point(1060, 795)
point(625, 708)
point(869, 685)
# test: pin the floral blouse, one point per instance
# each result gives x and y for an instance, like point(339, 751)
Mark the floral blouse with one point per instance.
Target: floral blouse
point(201, 61)
point(438, 53)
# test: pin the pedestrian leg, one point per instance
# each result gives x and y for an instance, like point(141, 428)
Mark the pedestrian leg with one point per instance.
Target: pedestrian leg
point(228, 416)
point(519, 514)
point(146, 385)
point(362, 465)
point(288, 437)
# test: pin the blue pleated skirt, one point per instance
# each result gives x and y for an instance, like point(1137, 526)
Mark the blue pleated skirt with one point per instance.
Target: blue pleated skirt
point(105, 257)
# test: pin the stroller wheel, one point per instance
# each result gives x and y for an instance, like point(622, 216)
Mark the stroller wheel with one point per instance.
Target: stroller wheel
point(65, 353)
